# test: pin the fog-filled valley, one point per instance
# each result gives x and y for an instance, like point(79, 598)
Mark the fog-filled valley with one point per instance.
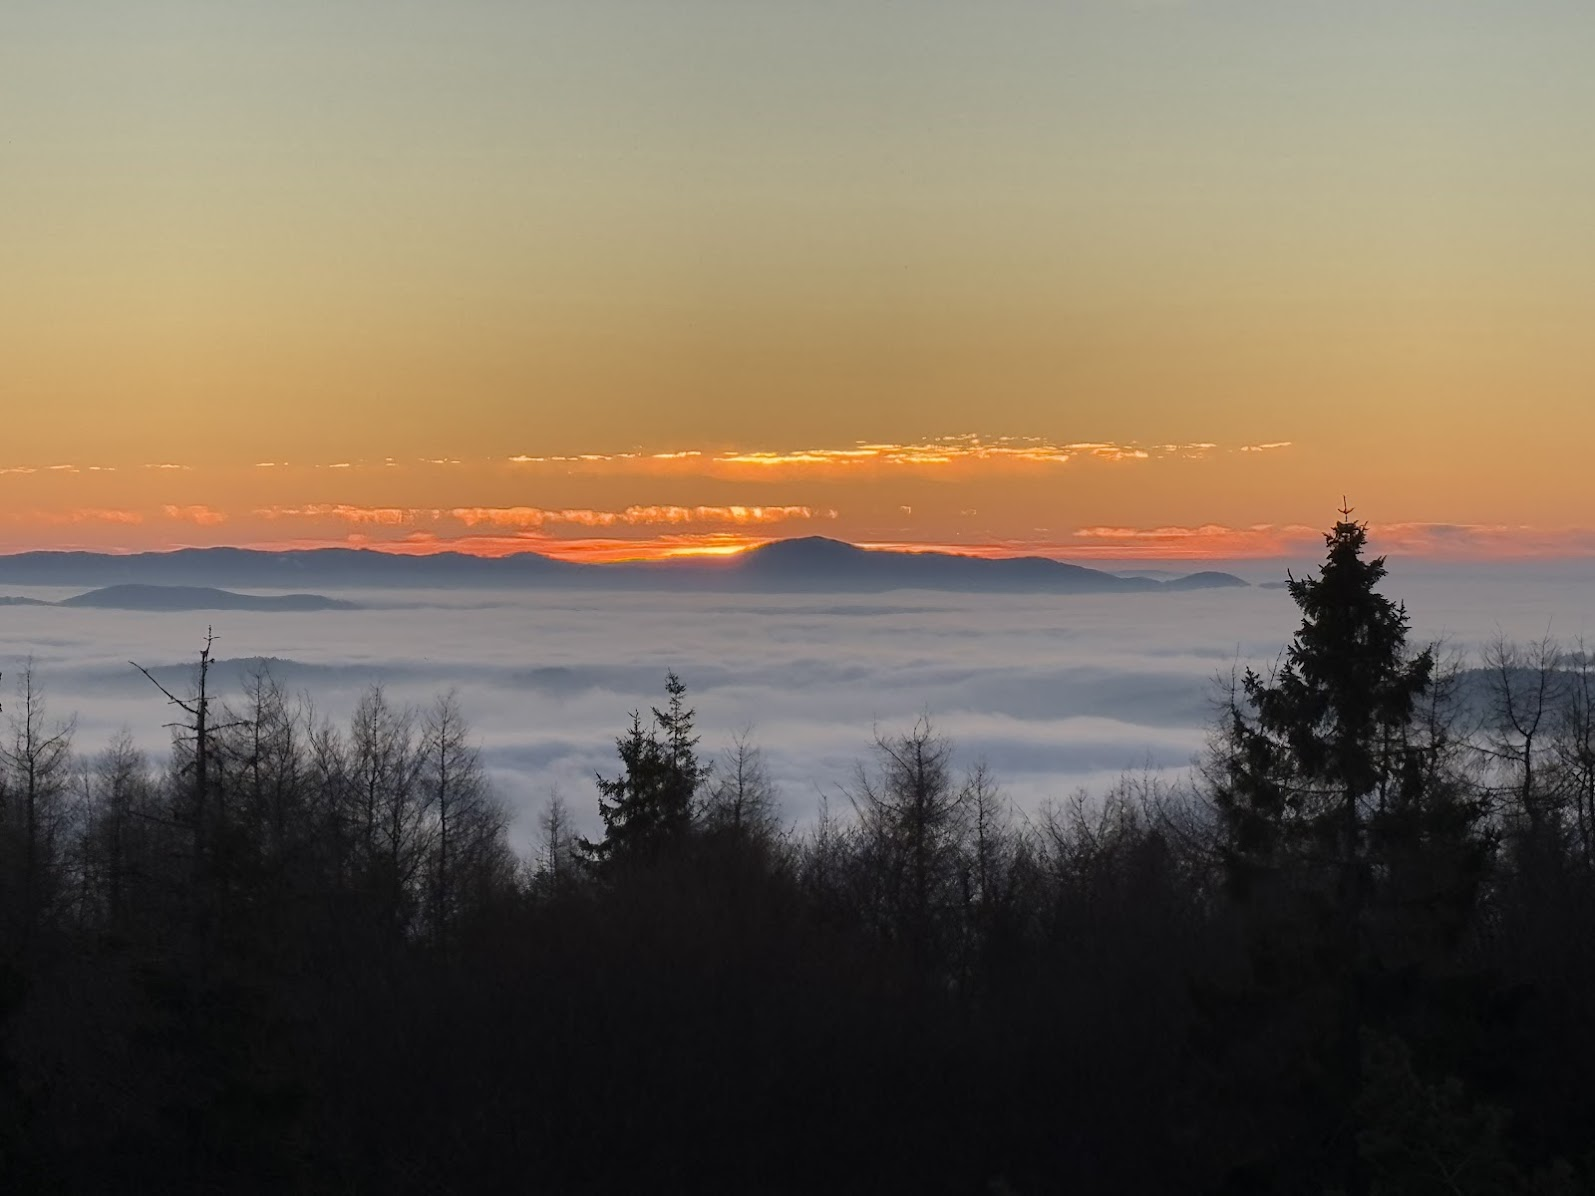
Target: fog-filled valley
point(1055, 693)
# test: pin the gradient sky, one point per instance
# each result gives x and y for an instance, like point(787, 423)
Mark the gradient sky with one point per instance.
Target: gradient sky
point(616, 278)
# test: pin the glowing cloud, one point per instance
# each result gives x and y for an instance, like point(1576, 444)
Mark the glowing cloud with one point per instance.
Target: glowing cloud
point(539, 517)
point(344, 512)
point(965, 449)
point(199, 515)
point(1432, 540)
point(77, 516)
point(536, 517)
point(431, 500)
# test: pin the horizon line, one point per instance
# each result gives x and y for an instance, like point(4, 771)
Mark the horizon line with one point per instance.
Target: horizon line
point(600, 552)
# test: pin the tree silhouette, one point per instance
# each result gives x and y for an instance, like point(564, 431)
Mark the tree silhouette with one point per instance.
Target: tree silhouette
point(650, 804)
point(913, 820)
point(467, 823)
point(1311, 751)
point(742, 801)
point(35, 765)
point(1310, 759)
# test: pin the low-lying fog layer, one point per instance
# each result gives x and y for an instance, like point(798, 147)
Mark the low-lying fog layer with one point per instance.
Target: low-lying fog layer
point(1055, 694)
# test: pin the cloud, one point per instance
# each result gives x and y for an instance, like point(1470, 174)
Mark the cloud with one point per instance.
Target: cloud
point(1440, 541)
point(200, 515)
point(537, 517)
point(1205, 540)
point(732, 514)
point(77, 516)
point(967, 450)
point(500, 516)
point(346, 513)
point(1481, 541)
point(950, 451)
point(511, 541)
point(107, 516)
point(966, 454)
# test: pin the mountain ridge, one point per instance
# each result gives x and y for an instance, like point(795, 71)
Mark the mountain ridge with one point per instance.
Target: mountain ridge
point(804, 563)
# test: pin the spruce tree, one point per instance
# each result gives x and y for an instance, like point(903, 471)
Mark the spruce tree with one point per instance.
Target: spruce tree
point(1313, 762)
point(649, 804)
point(1313, 754)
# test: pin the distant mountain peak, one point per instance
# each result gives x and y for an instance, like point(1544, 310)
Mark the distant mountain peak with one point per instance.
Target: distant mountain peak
point(801, 548)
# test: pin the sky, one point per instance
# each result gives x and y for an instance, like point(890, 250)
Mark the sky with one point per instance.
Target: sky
point(1095, 278)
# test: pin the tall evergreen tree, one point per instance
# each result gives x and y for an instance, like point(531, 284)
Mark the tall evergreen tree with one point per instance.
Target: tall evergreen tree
point(1330, 803)
point(650, 803)
point(1312, 754)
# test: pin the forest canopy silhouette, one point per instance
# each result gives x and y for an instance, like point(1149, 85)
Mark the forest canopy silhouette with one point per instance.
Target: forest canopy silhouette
point(1353, 950)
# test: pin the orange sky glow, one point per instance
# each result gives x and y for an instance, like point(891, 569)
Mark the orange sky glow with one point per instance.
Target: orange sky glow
point(912, 496)
point(608, 281)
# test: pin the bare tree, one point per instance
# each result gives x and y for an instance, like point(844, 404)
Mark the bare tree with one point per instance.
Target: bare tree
point(557, 851)
point(36, 756)
point(742, 798)
point(1525, 690)
point(264, 746)
point(116, 828)
point(194, 757)
point(330, 796)
point(826, 871)
point(384, 765)
point(1574, 748)
point(467, 825)
point(913, 822)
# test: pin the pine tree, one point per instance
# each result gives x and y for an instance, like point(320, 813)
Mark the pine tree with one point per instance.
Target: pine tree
point(1314, 753)
point(1325, 783)
point(649, 804)
point(684, 775)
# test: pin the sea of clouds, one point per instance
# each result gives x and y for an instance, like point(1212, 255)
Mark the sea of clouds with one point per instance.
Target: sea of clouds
point(1055, 694)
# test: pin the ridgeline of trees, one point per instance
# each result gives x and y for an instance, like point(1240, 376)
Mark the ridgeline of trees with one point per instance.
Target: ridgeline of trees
point(1354, 953)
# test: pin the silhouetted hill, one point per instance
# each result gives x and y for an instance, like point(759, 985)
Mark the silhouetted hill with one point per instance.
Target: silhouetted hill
point(812, 563)
point(1208, 579)
point(181, 598)
point(293, 570)
point(818, 563)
